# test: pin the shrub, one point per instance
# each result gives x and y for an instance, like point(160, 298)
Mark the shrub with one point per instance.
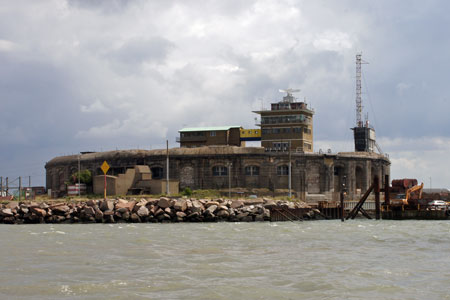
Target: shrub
point(85, 177)
point(187, 192)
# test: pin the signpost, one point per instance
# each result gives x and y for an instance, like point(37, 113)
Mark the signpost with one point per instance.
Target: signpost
point(105, 168)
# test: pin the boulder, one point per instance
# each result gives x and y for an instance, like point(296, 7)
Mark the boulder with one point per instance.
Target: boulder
point(109, 218)
point(143, 211)
point(211, 209)
point(153, 209)
point(247, 219)
point(152, 201)
point(159, 212)
point(180, 205)
point(236, 204)
point(141, 203)
point(61, 210)
point(135, 218)
point(241, 216)
point(193, 215)
point(266, 214)
point(210, 203)
point(129, 205)
point(106, 205)
point(197, 206)
point(24, 209)
point(59, 219)
point(270, 203)
point(89, 211)
point(164, 202)
point(126, 216)
point(39, 211)
point(259, 218)
point(9, 220)
point(43, 205)
point(6, 212)
point(188, 204)
point(98, 215)
point(222, 207)
point(163, 217)
point(223, 214)
point(254, 201)
point(91, 202)
point(181, 214)
point(122, 210)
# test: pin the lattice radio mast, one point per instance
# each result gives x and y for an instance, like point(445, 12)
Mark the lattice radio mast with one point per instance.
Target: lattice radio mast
point(363, 134)
point(359, 122)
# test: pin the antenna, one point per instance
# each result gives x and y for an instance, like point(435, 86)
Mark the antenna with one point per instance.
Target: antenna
point(289, 91)
point(289, 97)
point(359, 107)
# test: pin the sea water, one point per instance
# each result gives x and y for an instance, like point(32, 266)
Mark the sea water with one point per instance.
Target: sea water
point(358, 259)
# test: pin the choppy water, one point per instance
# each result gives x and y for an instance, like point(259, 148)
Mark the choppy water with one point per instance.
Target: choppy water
point(310, 260)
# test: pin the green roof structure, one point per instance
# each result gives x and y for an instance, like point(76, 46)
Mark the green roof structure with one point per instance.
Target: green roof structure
point(218, 128)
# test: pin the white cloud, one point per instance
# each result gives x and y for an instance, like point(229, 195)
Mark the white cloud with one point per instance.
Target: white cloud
point(140, 70)
point(137, 126)
point(7, 46)
point(95, 107)
point(332, 41)
point(402, 87)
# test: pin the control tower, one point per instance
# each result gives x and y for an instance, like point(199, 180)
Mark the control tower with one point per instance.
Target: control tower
point(287, 126)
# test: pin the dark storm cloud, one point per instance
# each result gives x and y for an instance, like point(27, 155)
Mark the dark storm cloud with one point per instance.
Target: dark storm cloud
point(105, 6)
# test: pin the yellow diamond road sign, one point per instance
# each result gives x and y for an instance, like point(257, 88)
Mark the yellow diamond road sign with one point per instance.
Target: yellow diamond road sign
point(105, 167)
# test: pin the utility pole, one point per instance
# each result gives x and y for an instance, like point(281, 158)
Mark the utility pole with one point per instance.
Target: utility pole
point(79, 175)
point(290, 169)
point(29, 188)
point(7, 188)
point(20, 187)
point(229, 179)
point(342, 194)
point(1, 186)
point(167, 168)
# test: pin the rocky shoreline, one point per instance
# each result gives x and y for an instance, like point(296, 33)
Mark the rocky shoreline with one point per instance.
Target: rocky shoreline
point(162, 210)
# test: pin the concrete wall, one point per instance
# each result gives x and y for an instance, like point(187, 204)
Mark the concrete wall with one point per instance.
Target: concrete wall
point(99, 185)
point(312, 174)
point(159, 187)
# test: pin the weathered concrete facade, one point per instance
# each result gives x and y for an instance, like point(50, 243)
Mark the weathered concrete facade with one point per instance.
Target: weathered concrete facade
point(314, 176)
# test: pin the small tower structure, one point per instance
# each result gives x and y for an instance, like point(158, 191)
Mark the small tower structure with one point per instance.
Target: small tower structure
point(363, 134)
point(288, 125)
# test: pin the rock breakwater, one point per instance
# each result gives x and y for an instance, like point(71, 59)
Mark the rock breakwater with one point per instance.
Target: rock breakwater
point(164, 210)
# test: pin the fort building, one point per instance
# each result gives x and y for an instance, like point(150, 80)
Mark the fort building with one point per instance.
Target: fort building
point(215, 158)
point(314, 176)
point(287, 126)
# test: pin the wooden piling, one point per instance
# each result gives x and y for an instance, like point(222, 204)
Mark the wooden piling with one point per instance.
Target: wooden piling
point(387, 200)
point(377, 197)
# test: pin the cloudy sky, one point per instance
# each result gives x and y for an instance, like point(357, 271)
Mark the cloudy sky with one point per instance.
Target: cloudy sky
point(85, 75)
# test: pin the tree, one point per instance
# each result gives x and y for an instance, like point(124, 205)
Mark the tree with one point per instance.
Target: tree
point(85, 177)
